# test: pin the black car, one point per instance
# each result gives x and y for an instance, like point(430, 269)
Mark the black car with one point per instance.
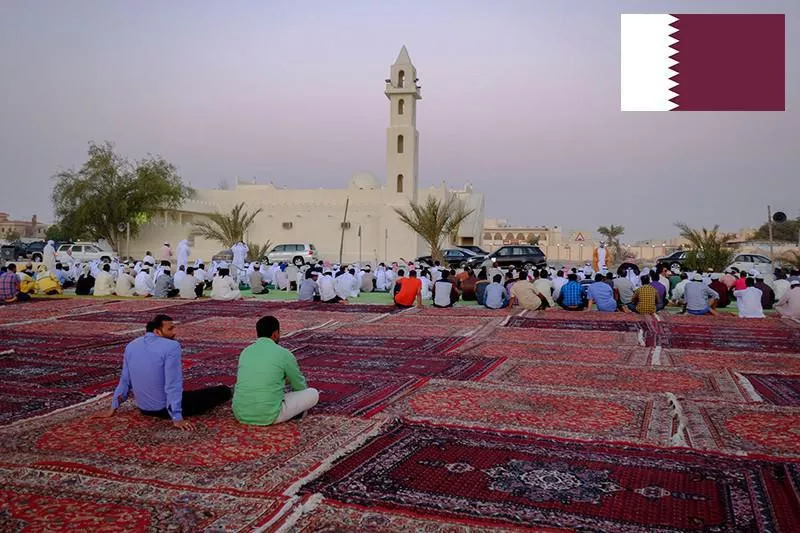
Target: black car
point(477, 250)
point(453, 258)
point(516, 255)
point(35, 251)
point(673, 259)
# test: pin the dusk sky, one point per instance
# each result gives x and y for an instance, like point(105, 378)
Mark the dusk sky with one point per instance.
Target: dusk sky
point(520, 98)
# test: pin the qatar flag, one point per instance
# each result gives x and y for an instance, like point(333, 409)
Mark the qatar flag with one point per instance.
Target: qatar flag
point(703, 62)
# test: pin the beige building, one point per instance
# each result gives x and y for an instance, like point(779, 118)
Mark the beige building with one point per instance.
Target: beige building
point(26, 229)
point(316, 215)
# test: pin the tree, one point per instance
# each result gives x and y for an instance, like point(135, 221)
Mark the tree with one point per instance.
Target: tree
point(227, 229)
point(708, 248)
point(257, 252)
point(781, 231)
point(109, 190)
point(13, 235)
point(57, 233)
point(434, 220)
point(791, 258)
point(534, 240)
point(613, 233)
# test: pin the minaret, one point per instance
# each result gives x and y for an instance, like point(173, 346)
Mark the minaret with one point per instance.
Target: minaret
point(402, 137)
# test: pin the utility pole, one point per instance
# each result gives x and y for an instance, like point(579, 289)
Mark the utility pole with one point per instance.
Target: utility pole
point(359, 245)
point(386, 246)
point(344, 222)
point(769, 223)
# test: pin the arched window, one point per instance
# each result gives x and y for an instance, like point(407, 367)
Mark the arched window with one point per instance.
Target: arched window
point(401, 78)
point(487, 236)
point(509, 236)
point(498, 237)
point(400, 144)
point(399, 183)
point(401, 104)
point(530, 236)
point(520, 237)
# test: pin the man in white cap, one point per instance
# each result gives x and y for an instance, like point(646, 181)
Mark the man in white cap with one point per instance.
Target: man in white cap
point(700, 298)
point(49, 256)
point(223, 286)
point(309, 288)
point(183, 253)
point(748, 300)
point(256, 280)
point(144, 284)
point(165, 254)
point(125, 283)
point(789, 304)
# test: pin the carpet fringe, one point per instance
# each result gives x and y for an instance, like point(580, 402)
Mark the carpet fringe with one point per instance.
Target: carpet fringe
point(683, 422)
point(51, 413)
point(288, 505)
point(748, 387)
point(640, 337)
point(7, 352)
point(326, 465)
point(305, 507)
point(310, 328)
point(656, 361)
point(375, 319)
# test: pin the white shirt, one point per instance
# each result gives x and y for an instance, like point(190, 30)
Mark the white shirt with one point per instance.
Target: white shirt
point(224, 288)
point(426, 288)
point(327, 291)
point(543, 286)
point(124, 285)
point(380, 279)
point(178, 277)
point(781, 286)
point(343, 285)
point(103, 284)
point(199, 274)
point(144, 286)
point(679, 290)
point(558, 282)
point(749, 303)
point(186, 287)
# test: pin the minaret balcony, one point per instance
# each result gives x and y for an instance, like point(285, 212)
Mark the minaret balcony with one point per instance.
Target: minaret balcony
point(410, 89)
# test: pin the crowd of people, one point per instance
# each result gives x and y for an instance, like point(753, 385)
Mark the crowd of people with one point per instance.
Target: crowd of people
point(586, 288)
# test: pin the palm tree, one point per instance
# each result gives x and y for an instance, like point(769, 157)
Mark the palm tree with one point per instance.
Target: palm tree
point(257, 252)
point(791, 258)
point(709, 248)
point(434, 220)
point(227, 229)
point(613, 233)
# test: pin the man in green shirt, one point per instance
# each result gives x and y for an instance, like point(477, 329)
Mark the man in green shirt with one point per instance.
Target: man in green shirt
point(264, 369)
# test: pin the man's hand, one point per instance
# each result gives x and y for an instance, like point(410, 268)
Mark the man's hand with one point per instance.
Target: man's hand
point(105, 413)
point(183, 425)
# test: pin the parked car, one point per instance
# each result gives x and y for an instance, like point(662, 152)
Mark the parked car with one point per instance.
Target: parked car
point(476, 249)
point(299, 254)
point(747, 262)
point(84, 251)
point(517, 255)
point(453, 258)
point(676, 258)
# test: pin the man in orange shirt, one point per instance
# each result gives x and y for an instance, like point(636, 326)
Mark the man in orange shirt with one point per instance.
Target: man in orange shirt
point(410, 291)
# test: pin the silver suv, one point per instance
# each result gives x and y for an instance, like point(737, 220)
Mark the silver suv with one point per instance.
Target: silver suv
point(299, 254)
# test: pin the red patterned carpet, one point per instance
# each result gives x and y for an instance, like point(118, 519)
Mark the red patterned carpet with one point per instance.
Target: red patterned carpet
point(457, 419)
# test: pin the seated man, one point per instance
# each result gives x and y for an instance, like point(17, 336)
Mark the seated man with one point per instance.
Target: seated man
point(602, 295)
point(789, 304)
point(495, 295)
point(309, 288)
point(409, 291)
point(645, 298)
point(700, 298)
point(104, 283)
point(151, 368)
point(525, 295)
point(257, 280)
point(10, 286)
point(445, 293)
point(264, 369)
point(571, 295)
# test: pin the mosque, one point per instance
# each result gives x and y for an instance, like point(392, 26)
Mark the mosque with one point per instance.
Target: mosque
point(372, 230)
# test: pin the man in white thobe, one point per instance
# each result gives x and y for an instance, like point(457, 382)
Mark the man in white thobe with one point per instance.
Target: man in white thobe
point(183, 253)
point(49, 256)
point(144, 285)
point(380, 278)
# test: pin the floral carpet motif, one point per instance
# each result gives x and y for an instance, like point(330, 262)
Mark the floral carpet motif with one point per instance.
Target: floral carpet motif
point(426, 328)
point(75, 327)
point(570, 323)
point(499, 478)
point(738, 337)
point(754, 429)
point(44, 308)
point(623, 418)
point(777, 389)
point(739, 361)
point(221, 454)
point(58, 498)
point(389, 346)
point(627, 355)
point(617, 379)
point(566, 336)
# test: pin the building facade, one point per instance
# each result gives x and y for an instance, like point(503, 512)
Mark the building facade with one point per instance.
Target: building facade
point(360, 218)
point(25, 229)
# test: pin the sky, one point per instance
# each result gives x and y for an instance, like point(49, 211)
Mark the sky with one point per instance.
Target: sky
point(520, 98)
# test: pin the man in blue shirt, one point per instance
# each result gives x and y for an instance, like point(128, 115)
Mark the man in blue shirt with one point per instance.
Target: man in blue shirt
point(496, 296)
point(571, 295)
point(601, 294)
point(151, 369)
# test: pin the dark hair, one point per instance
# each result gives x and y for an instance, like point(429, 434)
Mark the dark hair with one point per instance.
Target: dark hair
point(572, 277)
point(266, 326)
point(189, 271)
point(654, 276)
point(610, 275)
point(497, 278)
point(482, 274)
point(750, 282)
point(223, 272)
point(543, 274)
point(413, 273)
point(684, 275)
point(599, 277)
point(436, 263)
point(560, 273)
point(12, 267)
point(401, 273)
point(523, 275)
point(157, 323)
point(352, 271)
point(107, 267)
point(445, 274)
point(645, 279)
point(59, 266)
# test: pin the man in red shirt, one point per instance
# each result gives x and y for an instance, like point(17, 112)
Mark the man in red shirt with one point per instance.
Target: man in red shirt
point(410, 291)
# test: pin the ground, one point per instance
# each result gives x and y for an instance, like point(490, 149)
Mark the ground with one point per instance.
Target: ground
point(459, 419)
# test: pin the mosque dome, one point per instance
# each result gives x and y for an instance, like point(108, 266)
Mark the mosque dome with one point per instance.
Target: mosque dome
point(364, 181)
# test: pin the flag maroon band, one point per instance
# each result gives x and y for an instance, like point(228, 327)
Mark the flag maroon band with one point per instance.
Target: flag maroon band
point(730, 62)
